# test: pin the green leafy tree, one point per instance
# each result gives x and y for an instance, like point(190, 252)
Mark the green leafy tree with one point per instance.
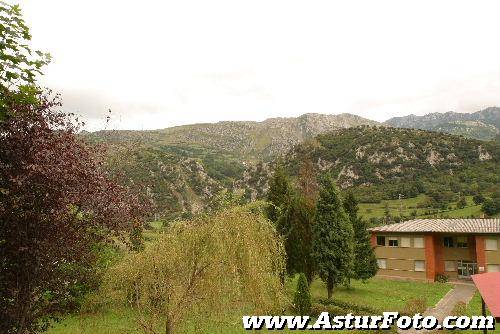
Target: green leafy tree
point(295, 225)
point(302, 297)
point(478, 199)
point(491, 206)
point(19, 65)
point(365, 262)
point(279, 193)
point(462, 202)
point(333, 245)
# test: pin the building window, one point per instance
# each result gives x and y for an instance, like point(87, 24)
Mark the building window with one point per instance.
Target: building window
point(448, 242)
point(393, 242)
point(380, 241)
point(491, 244)
point(493, 268)
point(382, 263)
point(449, 266)
point(405, 242)
point(418, 242)
point(419, 265)
point(462, 242)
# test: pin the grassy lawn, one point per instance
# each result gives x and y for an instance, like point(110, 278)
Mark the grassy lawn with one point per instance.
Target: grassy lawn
point(378, 293)
point(386, 295)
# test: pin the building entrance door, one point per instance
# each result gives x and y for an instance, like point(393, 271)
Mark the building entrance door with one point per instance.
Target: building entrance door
point(466, 269)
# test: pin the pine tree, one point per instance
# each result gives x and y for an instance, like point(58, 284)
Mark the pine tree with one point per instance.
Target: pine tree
point(295, 224)
point(333, 247)
point(365, 262)
point(302, 297)
point(279, 193)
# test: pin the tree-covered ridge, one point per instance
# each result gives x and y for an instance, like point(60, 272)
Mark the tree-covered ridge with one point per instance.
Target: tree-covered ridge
point(384, 162)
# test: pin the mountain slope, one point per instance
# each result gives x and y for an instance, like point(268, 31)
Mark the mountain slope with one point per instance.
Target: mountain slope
point(382, 162)
point(484, 124)
point(247, 140)
point(183, 168)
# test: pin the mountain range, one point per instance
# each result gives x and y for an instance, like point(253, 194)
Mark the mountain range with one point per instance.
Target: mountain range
point(183, 168)
point(484, 124)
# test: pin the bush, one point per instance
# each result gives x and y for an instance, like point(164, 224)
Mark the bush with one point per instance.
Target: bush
point(414, 306)
point(478, 199)
point(441, 278)
point(302, 298)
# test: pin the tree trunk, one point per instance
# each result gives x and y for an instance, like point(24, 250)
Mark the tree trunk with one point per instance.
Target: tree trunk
point(169, 324)
point(329, 286)
point(169, 327)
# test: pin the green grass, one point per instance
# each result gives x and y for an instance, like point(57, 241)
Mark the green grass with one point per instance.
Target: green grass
point(378, 293)
point(382, 294)
point(474, 308)
point(408, 206)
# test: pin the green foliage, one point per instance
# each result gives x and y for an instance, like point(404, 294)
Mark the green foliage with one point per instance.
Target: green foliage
point(441, 278)
point(19, 65)
point(279, 193)
point(478, 199)
point(491, 206)
point(333, 237)
point(302, 297)
point(295, 225)
point(203, 269)
point(365, 262)
point(462, 202)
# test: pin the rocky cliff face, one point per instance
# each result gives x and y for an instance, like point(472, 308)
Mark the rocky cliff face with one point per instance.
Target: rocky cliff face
point(184, 168)
point(484, 124)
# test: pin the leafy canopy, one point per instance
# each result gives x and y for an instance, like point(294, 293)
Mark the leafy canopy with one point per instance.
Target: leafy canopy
point(19, 64)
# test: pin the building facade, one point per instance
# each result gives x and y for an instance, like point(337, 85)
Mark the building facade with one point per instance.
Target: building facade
point(425, 248)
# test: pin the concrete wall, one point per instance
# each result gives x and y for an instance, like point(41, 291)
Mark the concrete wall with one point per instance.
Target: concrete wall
point(401, 260)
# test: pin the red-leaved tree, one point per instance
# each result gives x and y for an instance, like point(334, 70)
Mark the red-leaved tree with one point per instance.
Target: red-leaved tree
point(56, 205)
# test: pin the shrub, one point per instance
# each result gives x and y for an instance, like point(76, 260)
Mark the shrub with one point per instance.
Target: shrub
point(302, 298)
point(441, 278)
point(414, 305)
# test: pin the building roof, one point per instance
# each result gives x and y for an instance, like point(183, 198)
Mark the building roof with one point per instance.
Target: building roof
point(488, 285)
point(443, 226)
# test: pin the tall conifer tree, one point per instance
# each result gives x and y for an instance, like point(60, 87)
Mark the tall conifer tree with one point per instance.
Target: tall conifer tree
point(333, 247)
point(365, 262)
point(279, 193)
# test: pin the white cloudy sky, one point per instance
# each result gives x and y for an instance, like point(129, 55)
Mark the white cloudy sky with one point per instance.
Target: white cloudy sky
point(163, 63)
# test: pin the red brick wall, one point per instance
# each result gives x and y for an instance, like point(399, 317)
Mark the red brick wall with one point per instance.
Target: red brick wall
point(438, 254)
point(430, 258)
point(480, 252)
point(373, 239)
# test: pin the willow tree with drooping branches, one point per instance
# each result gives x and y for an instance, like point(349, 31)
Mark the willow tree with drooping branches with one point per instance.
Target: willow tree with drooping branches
point(203, 271)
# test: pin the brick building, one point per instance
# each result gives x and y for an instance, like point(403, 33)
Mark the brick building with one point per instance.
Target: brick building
point(423, 248)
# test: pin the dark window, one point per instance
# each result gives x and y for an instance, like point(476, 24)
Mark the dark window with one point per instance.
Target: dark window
point(462, 242)
point(393, 243)
point(448, 242)
point(380, 241)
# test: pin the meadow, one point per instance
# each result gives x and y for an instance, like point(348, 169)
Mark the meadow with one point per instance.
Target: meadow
point(377, 293)
point(408, 206)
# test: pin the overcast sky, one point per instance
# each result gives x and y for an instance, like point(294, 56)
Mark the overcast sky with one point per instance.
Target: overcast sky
point(162, 63)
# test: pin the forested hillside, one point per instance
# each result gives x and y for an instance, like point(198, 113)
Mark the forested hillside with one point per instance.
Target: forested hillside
point(381, 163)
point(376, 162)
